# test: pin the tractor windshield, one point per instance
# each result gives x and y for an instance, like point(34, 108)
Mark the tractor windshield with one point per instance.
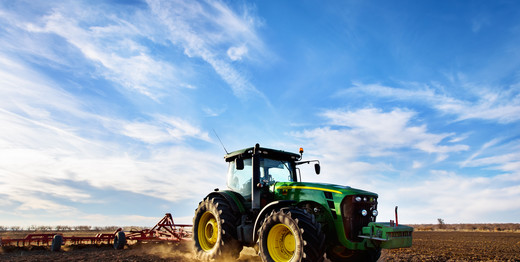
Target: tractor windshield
point(272, 171)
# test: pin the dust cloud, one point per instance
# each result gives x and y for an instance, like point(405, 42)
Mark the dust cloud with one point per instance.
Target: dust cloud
point(185, 251)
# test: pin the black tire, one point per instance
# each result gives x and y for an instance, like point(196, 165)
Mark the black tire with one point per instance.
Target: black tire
point(340, 254)
point(119, 240)
point(57, 240)
point(214, 230)
point(291, 234)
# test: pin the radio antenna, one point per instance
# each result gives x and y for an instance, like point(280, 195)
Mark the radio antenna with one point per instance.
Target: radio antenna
point(220, 141)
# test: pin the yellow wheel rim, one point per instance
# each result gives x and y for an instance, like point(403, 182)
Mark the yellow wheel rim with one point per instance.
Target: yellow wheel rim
point(207, 231)
point(281, 243)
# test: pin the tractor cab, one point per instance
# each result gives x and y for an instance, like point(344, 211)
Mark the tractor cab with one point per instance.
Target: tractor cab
point(253, 170)
point(271, 171)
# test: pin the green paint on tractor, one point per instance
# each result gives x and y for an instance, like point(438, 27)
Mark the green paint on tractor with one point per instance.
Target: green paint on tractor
point(267, 207)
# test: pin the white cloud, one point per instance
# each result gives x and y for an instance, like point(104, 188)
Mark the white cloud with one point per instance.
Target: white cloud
point(48, 138)
point(119, 57)
point(214, 111)
point(504, 162)
point(459, 138)
point(38, 158)
point(455, 198)
point(478, 22)
point(206, 30)
point(58, 149)
point(480, 103)
point(161, 129)
point(497, 155)
point(236, 53)
point(378, 132)
point(115, 44)
point(26, 91)
point(362, 148)
point(417, 164)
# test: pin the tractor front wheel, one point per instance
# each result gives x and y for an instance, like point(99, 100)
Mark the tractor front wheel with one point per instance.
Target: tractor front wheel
point(214, 230)
point(291, 234)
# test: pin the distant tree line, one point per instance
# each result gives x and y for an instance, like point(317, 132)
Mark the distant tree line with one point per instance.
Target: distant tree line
point(58, 228)
point(490, 227)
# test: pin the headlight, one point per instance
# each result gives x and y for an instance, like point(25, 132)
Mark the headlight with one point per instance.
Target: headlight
point(375, 213)
point(358, 199)
point(364, 212)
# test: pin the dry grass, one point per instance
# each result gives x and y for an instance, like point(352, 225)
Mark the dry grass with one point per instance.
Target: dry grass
point(491, 227)
point(23, 233)
point(505, 227)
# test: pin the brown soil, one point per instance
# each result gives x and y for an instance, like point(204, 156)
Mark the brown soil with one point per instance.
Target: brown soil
point(427, 246)
point(458, 246)
point(181, 252)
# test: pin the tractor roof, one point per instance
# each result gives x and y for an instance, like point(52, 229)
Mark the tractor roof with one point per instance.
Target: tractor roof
point(266, 152)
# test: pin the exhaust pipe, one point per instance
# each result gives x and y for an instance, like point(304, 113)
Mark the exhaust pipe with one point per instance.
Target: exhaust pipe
point(396, 221)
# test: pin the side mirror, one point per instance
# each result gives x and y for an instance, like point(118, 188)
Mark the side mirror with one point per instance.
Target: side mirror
point(239, 164)
point(317, 168)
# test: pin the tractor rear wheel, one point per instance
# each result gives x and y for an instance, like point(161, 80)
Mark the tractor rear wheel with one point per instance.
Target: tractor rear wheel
point(214, 230)
point(291, 234)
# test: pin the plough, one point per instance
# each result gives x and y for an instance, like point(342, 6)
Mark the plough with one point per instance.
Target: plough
point(164, 231)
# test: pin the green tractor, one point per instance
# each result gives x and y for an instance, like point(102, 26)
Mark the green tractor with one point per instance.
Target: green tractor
point(268, 207)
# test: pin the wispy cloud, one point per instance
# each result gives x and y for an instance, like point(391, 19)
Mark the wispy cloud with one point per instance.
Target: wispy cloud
point(491, 156)
point(105, 107)
point(477, 23)
point(453, 197)
point(500, 106)
point(116, 43)
point(48, 136)
point(36, 158)
point(373, 132)
point(113, 47)
point(212, 31)
point(159, 130)
point(236, 53)
point(369, 142)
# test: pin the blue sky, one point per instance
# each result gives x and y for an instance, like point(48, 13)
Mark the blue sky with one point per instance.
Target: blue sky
point(107, 108)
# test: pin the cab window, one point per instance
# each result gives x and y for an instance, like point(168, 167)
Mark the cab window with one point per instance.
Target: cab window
point(272, 171)
point(240, 180)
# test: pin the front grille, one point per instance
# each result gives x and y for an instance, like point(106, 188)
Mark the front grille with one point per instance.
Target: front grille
point(353, 220)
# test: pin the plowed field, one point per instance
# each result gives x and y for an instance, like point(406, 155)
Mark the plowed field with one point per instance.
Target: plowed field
point(427, 246)
point(459, 246)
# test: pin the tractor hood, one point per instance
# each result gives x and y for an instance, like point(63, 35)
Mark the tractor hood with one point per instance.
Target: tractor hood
point(291, 188)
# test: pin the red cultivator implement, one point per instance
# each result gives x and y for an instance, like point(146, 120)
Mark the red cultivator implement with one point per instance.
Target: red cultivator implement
point(164, 231)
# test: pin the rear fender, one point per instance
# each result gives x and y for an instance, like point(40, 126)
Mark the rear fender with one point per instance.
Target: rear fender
point(233, 199)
